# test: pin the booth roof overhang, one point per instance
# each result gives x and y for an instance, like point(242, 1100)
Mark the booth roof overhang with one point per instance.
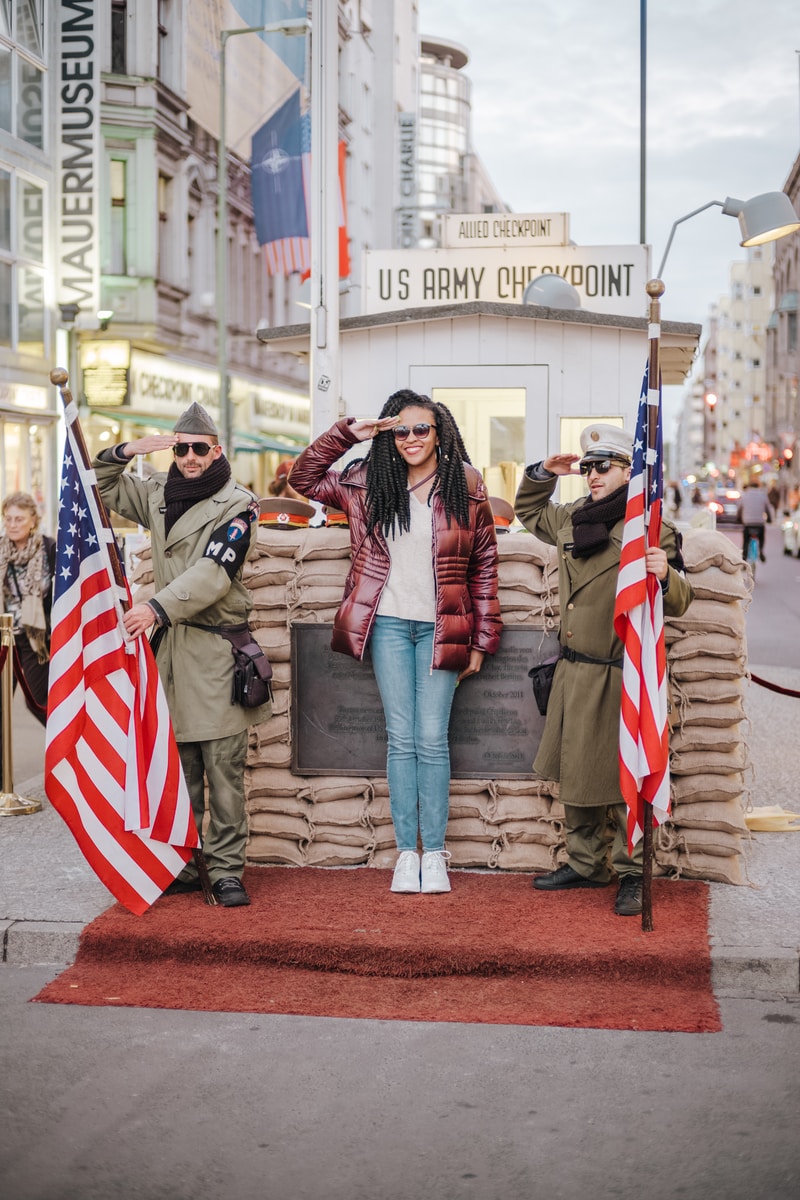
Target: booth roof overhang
point(678, 344)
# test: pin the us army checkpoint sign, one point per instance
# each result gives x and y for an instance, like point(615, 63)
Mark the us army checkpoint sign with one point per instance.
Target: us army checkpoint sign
point(608, 279)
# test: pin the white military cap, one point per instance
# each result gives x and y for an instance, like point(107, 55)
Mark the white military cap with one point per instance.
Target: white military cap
point(601, 441)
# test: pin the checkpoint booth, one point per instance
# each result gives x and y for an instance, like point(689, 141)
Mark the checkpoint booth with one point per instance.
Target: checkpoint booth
point(521, 380)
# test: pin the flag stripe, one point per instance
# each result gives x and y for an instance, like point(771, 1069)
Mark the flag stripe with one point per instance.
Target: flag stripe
point(112, 768)
point(639, 623)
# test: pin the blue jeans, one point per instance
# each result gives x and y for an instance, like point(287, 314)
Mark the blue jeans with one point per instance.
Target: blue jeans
point(416, 705)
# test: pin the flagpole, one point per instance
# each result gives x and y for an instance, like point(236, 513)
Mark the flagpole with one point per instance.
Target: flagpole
point(60, 378)
point(655, 290)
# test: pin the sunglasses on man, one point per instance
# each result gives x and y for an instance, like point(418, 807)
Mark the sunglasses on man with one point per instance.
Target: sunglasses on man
point(201, 449)
point(602, 467)
point(421, 430)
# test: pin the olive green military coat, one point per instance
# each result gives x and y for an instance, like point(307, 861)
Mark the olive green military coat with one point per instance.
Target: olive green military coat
point(580, 743)
point(196, 667)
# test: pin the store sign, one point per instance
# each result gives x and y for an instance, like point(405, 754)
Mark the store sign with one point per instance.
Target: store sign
point(407, 210)
point(608, 279)
point(105, 373)
point(79, 154)
point(162, 386)
point(483, 230)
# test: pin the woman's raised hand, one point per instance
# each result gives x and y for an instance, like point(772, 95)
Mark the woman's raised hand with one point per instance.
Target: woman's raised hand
point(365, 428)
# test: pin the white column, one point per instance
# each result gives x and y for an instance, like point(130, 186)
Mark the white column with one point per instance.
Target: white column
point(324, 231)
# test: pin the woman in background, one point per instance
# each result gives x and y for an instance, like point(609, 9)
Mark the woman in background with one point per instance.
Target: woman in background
point(27, 569)
point(422, 592)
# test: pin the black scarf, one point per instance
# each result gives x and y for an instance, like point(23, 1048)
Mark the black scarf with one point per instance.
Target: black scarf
point(180, 493)
point(592, 524)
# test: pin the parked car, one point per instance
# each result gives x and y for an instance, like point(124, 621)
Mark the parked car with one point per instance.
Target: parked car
point(791, 533)
point(725, 506)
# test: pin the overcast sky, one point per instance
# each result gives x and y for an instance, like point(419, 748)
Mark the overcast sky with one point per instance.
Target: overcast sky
point(555, 111)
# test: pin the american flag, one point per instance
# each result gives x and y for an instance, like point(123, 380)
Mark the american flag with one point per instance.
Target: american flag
point(639, 622)
point(112, 768)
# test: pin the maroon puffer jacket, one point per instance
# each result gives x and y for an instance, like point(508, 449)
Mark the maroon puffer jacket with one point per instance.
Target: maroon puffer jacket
point(465, 565)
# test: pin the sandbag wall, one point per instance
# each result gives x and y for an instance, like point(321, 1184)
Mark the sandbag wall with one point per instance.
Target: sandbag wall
point(511, 824)
point(709, 765)
point(299, 576)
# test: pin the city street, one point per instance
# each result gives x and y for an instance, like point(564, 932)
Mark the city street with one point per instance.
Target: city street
point(165, 1105)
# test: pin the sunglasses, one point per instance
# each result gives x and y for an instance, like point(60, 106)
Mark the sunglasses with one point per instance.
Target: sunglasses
point(421, 430)
point(602, 468)
point(201, 449)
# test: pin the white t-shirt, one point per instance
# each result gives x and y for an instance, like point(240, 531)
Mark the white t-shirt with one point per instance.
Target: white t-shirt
point(410, 591)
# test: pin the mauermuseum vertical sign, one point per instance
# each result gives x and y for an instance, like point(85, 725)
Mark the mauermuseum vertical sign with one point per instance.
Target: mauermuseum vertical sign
point(79, 154)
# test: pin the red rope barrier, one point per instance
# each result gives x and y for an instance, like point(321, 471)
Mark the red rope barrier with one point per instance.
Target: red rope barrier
point(774, 687)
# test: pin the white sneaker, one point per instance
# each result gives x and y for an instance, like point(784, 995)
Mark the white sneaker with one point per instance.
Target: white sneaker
point(406, 872)
point(434, 871)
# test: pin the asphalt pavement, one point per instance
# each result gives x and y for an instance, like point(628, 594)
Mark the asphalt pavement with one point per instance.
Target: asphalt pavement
point(48, 893)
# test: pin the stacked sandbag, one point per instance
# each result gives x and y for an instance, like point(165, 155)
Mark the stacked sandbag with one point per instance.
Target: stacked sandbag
point(528, 581)
point(298, 575)
point(707, 654)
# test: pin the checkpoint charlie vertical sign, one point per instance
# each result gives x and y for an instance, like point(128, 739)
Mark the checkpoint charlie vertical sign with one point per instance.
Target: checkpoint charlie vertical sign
point(79, 154)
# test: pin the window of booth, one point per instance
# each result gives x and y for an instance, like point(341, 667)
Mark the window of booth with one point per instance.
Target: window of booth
point(492, 423)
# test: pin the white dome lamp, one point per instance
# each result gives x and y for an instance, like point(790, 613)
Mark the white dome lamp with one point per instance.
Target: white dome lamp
point(551, 291)
point(765, 218)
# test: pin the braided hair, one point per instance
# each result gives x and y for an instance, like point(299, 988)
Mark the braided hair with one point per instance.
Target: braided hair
point(387, 472)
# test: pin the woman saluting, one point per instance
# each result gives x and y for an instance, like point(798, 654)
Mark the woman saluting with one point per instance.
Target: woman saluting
point(421, 592)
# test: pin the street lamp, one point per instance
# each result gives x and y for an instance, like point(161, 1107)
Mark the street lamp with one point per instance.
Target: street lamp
point(765, 218)
point(293, 27)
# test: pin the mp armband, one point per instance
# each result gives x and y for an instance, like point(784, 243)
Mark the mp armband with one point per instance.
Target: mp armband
point(228, 545)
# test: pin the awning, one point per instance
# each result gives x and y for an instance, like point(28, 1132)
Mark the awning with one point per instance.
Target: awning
point(243, 441)
point(788, 302)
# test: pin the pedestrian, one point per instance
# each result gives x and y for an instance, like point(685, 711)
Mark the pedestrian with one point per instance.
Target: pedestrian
point(27, 570)
point(200, 524)
point(421, 593)
point(754, 512)
point(580, 742)
point(674, 497)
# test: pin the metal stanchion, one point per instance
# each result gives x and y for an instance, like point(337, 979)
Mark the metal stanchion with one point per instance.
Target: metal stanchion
point(10, 802)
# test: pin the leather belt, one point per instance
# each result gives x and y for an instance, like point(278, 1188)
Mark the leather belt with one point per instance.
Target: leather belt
point(576, 656)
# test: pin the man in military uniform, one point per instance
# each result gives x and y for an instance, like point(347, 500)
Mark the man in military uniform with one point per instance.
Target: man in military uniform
point(580, 743)
point(200, 524)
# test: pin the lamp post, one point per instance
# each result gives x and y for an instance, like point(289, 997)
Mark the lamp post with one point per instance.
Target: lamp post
point(765, 218)
point(290, 28)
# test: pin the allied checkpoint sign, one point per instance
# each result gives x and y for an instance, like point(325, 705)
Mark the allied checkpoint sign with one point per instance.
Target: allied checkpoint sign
point(338, 726)
point(494, 256)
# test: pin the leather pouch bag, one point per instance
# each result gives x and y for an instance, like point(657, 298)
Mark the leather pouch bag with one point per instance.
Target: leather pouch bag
point(542, 679)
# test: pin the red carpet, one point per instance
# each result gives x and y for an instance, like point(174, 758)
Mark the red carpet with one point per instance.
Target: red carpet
point(338, 943)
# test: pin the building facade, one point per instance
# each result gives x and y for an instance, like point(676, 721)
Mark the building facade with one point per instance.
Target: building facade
point(109, 138)
point(783, 351)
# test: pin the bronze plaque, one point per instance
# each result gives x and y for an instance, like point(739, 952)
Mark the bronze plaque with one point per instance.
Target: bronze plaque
point(337, 716)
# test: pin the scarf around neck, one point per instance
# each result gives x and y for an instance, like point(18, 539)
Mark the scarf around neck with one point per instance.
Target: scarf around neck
point(592, 524)
point(27, 562)
point(180, 493)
